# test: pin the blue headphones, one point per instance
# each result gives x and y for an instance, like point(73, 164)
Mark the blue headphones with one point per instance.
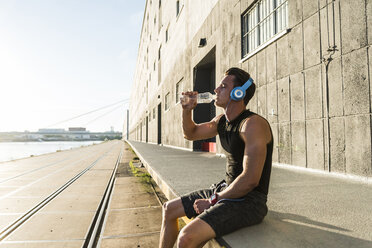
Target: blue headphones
point(238, 93)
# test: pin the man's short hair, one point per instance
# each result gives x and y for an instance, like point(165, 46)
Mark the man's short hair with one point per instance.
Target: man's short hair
point(240, 77)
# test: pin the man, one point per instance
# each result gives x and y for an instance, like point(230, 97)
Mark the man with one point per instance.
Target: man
point(247, 139)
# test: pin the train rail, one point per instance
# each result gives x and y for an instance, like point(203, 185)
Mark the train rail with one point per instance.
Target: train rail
point(100, 160)
point(94, 231)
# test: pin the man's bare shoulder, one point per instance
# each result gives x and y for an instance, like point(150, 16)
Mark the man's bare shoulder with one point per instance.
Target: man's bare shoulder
point(256, 125)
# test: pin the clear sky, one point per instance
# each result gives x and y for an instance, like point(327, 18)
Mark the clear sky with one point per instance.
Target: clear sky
point(63, 58)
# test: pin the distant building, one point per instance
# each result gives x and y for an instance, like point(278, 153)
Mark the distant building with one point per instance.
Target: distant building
point(309, 60)
point(50, 130)
point(58, 135)
point(77, 129)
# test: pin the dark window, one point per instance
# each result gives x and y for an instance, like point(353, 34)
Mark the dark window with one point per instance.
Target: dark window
point(177, 8)
point(178, 91)
point(167, 101)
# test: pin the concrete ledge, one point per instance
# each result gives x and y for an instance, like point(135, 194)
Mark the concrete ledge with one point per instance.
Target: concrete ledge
point(167, 190)
point(305, 209)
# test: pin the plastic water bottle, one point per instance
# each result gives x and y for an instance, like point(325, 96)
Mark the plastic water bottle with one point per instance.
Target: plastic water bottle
point(205, 97)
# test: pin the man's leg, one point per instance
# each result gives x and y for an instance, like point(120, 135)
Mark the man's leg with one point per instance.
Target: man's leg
point(195, 234)
point(172, 210)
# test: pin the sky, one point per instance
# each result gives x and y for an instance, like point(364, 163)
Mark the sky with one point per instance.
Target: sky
point(62, 58)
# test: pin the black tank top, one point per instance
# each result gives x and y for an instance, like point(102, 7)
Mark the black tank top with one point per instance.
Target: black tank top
point(233, 144)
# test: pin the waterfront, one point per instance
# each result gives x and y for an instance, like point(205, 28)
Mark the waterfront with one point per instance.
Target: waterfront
point(16, 150)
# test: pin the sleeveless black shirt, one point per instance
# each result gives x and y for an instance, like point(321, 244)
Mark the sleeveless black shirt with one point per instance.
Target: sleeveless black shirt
point(229, 133)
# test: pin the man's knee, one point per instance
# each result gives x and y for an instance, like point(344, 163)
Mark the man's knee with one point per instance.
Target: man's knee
point(172, 210)
point(166, 210)
point(185, 239)
point(196, 233)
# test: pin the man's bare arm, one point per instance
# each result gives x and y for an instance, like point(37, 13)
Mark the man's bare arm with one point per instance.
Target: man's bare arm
point(193, 131)
point(256, 134)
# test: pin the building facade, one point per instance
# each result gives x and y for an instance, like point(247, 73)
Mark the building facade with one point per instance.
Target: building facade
point(310, 59)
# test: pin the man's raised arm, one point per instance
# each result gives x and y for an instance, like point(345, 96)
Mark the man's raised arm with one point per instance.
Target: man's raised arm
point(191, 130)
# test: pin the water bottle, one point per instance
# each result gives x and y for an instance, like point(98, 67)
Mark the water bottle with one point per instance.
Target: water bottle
point(205, 97)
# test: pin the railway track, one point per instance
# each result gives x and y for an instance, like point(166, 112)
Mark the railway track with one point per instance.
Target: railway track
point(76, 172)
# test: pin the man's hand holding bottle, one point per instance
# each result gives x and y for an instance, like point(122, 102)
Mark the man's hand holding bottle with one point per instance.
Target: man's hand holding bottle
point(189, 100)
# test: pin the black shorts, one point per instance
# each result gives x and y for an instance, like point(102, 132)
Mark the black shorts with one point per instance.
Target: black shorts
point(227, 216)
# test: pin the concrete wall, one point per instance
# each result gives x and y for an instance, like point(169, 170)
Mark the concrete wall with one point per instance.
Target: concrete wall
point(318, 102)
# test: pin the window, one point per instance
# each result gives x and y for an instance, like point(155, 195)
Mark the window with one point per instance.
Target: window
point(159, 53)
point(147, 92)
point(263, 21)
point(166, 35)
point(147, 58)
point(167, 101)
point(153, 113)
point(177, 8)
point(147, 21)
point(159, 71)
point(178, 91)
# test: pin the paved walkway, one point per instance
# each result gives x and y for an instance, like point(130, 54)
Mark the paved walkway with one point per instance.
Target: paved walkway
point(134, 214)
point(305, 209)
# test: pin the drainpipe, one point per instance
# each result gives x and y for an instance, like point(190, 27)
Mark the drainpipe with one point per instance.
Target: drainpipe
point(327, 60)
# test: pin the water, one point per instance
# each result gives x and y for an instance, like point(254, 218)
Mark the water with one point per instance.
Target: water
point(205, 97)
point(16, 150)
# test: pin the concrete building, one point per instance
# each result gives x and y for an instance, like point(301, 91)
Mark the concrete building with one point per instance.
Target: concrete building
point(51, 130)
point(77, 129)
point(311, 62)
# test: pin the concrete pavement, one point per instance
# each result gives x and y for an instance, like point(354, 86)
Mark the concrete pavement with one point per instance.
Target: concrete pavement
point(69, 209)
point(133, 216)
point(306, 209)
